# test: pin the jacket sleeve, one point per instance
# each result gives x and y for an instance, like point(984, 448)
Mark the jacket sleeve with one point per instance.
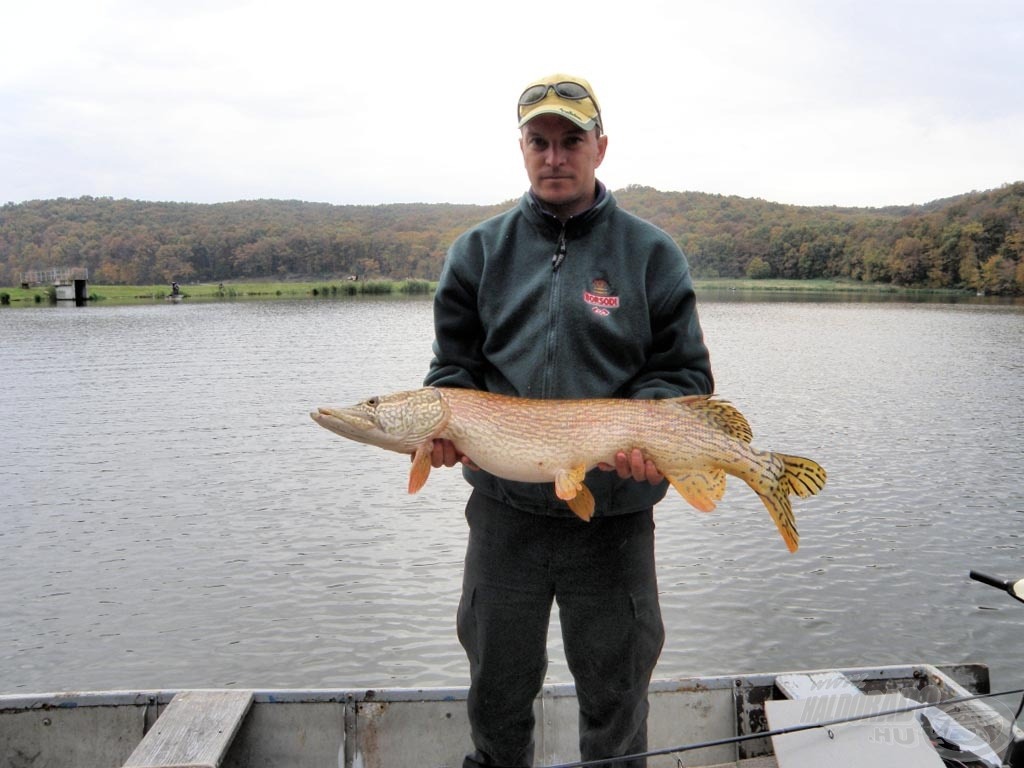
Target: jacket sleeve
point(458, 332)
point(678, 362)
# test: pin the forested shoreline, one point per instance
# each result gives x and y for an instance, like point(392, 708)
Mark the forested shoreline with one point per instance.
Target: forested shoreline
point(973, 241)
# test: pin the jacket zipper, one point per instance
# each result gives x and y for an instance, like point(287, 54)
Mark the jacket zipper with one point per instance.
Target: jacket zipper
point(552, 340)
point(559, 257)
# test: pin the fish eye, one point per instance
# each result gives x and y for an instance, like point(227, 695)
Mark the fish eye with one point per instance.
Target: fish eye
point(373, 402)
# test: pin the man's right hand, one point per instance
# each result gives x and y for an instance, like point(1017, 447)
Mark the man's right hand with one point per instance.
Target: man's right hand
point(444, 454)
point(634, 465)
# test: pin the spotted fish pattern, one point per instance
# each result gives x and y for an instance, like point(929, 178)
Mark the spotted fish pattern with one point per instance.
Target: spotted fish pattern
point(695, 442)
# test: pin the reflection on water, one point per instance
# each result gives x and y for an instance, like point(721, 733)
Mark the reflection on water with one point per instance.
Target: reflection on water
point(173, 518)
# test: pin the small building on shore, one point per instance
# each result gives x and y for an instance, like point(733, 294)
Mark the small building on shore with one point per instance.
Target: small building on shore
point(69, 283)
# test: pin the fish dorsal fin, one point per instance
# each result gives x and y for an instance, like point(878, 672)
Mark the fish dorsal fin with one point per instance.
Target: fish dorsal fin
point(700, 489)
point(720, 414)
point(420, 470)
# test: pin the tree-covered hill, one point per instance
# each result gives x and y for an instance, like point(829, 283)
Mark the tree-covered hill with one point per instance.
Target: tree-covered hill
point(973, 241)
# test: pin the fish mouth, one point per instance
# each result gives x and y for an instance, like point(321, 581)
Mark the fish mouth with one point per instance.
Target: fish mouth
point(356, 424)
point(343, 421)
point(321, 415)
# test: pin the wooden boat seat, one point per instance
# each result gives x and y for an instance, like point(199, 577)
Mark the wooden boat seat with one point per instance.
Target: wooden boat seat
point(194, 731)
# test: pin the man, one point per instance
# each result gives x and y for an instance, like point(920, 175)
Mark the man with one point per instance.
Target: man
point(564, 296)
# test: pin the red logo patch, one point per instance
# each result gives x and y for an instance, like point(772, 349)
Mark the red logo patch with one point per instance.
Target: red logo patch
point(600, 298)
point(600, 301)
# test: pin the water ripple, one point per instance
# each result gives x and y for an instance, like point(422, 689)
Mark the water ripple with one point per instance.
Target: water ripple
point(173, 518)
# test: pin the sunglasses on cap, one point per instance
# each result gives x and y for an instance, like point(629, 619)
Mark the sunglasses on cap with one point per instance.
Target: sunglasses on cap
point(566, 89)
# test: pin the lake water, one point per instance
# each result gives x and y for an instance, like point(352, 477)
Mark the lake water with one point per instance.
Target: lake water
point(171, 517)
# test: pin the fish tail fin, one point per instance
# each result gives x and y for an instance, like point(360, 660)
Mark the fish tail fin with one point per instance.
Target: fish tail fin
point(795, 474)
point(803, 476)
point(778, 506)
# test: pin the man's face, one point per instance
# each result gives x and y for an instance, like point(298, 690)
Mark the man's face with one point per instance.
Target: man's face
point(561, 161)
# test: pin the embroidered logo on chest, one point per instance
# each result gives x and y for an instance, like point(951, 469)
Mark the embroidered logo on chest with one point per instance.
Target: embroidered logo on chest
point(600, 298)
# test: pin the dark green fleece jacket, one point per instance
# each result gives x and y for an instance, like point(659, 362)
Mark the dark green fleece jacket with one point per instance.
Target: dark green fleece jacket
point(601, 305)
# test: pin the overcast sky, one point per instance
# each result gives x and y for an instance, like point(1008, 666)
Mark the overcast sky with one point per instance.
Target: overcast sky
point(860, 102)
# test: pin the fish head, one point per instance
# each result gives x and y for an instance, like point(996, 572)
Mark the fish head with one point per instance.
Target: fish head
point(399, 422)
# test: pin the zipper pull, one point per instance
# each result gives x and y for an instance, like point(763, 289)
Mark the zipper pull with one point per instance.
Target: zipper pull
point(559, 257)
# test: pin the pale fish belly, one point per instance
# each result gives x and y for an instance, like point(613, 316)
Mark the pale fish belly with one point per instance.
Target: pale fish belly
point(528, 461)
point(533, 447)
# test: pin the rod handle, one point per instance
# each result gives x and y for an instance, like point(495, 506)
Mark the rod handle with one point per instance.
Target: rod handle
point(992, 581)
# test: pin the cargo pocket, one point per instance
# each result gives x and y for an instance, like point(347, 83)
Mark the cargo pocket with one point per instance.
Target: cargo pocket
point(466, 625)
point(649, 634)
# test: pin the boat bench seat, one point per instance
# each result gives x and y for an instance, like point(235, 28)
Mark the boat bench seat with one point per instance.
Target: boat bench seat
point(814, 684)
point(194, 731)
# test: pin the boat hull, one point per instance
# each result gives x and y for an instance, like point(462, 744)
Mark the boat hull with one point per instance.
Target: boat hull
point(392, 728)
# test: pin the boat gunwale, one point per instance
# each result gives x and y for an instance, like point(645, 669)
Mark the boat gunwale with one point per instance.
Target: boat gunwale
point(73, 699)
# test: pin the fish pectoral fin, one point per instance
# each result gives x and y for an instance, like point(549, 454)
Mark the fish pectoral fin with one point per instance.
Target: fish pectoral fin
point(420, 470)
point(700, 489)
point(569, 487)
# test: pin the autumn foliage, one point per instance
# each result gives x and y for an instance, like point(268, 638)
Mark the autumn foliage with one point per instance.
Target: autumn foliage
point(973, 241)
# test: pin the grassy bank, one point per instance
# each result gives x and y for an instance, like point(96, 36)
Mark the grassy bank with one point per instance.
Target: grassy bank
point(129, 294)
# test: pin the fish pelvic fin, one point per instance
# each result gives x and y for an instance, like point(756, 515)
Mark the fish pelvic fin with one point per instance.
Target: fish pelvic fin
point(801, 476)
point(700, 489)
point(570, 488)
point(582, 504)
point(420, 470)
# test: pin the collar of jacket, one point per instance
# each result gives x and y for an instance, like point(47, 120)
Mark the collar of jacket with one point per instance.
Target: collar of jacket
point(535, 211)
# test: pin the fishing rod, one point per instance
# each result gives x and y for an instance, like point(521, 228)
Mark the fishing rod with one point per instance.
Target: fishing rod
point(1014, 588)
point(782, 731)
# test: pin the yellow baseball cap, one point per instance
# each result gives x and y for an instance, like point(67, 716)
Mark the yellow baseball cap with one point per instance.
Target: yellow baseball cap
point(561, 94)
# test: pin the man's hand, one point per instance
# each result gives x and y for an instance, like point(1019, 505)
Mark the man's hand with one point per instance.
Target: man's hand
point(444, 454)
point(634, 465)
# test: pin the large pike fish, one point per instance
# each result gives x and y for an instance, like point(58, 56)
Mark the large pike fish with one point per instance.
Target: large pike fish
point(693, 441)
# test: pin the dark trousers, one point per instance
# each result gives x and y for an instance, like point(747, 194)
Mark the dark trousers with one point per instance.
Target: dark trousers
point(602, 576)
